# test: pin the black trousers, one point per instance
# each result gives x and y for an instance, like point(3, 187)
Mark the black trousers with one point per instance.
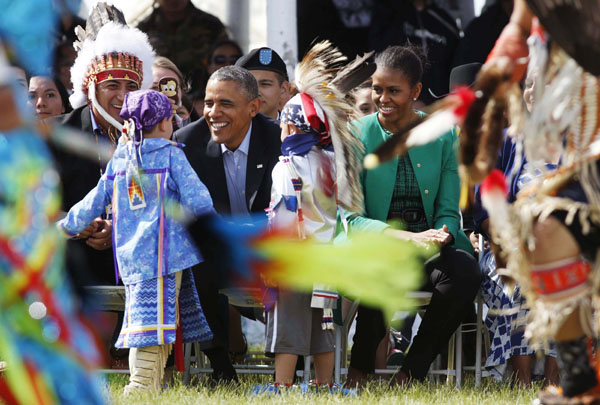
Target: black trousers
point(454, 279)
point(216, 311)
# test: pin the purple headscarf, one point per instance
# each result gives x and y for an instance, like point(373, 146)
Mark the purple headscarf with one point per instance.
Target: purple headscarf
point(146, 108)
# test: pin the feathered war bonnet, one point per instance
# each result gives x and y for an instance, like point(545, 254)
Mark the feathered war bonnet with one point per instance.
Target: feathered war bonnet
point(108, 49)
point(322, 109)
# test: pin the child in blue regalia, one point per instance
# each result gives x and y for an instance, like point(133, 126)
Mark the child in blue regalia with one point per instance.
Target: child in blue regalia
point(153, 252)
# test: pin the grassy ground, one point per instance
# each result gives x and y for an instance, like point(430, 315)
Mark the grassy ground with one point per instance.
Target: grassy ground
point(200, 393)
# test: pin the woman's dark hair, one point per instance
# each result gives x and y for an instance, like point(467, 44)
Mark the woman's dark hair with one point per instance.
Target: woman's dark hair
point(64, 95)
point(409, 60)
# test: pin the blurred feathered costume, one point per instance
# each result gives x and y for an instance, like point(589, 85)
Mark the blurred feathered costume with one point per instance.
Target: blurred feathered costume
point(565, 121)
point(48, 348)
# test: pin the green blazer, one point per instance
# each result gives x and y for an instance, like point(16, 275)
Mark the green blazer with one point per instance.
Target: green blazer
point(436, 169)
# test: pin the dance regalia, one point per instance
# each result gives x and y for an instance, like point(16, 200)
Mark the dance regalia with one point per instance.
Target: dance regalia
point(310, 179)
point(148, 256)
point(565, 120)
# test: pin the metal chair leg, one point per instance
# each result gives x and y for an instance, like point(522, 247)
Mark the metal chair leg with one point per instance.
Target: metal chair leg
point(479, 335)
point(306, 374)
point(187, 361)
point(337, 359)
point(458, 359)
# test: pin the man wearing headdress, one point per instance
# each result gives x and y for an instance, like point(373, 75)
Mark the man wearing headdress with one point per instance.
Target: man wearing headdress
point(112, 60)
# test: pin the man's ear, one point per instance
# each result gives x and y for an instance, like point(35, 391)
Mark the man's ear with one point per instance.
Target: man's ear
point(254, 106)
point(285, 91)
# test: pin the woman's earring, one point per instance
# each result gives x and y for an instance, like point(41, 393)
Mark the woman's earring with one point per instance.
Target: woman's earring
point(414, 99)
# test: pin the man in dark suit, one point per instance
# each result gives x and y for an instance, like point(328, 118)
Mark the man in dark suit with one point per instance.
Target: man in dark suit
point(233, 149)
point(96, 114)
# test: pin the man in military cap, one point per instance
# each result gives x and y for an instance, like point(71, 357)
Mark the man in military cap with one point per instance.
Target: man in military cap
point(270, 72)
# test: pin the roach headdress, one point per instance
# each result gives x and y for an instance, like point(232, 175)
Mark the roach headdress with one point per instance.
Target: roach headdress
point(321, 109)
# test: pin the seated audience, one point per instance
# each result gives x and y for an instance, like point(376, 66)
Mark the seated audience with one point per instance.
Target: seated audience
point(168, 79)
point(362, 99)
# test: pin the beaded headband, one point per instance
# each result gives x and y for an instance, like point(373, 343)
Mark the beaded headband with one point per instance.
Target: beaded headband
point(118, 65)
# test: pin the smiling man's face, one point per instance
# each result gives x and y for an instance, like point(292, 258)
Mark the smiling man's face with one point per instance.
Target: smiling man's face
point(228, 112)
point(110, 95)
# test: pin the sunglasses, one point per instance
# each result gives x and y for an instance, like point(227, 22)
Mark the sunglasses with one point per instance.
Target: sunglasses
point(222, 59)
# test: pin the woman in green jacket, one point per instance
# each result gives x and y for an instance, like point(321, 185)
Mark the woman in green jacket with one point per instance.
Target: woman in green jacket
point(421, 190)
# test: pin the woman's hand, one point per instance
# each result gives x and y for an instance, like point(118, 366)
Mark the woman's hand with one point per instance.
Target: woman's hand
point(436, 237)
point(439, 237)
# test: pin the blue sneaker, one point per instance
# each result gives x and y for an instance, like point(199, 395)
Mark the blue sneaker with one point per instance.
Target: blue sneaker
point(265, 389)
point(339, 389)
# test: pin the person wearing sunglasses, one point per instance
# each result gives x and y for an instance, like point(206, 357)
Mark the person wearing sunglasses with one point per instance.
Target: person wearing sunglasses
point(224, 53)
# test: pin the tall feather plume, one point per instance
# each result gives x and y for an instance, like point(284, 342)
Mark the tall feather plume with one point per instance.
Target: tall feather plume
point(314, 76)
point(101, 14)
point(479, 144)
point(354, 73)
point(486, 84)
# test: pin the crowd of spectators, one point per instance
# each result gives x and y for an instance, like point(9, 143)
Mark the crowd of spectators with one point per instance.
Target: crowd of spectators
point(233, 145)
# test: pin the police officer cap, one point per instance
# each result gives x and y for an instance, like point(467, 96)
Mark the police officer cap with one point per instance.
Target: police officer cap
point(263, 59)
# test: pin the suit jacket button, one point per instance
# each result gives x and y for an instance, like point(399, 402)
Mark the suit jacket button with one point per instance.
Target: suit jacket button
point(426, 191)
point(418, 164)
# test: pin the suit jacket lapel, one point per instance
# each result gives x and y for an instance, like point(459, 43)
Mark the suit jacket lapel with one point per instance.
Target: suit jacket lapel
point(218, 188)
point(86, 121)
point(257, 163)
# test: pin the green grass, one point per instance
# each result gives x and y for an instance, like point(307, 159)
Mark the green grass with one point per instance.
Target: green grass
point(375, 393)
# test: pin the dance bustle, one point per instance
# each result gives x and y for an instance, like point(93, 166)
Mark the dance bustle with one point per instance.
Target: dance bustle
point(314, 76)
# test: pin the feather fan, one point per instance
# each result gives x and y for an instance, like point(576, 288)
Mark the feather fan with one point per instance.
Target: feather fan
point(314, 76)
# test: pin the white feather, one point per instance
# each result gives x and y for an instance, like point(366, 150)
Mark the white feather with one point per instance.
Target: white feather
point(436, 125)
